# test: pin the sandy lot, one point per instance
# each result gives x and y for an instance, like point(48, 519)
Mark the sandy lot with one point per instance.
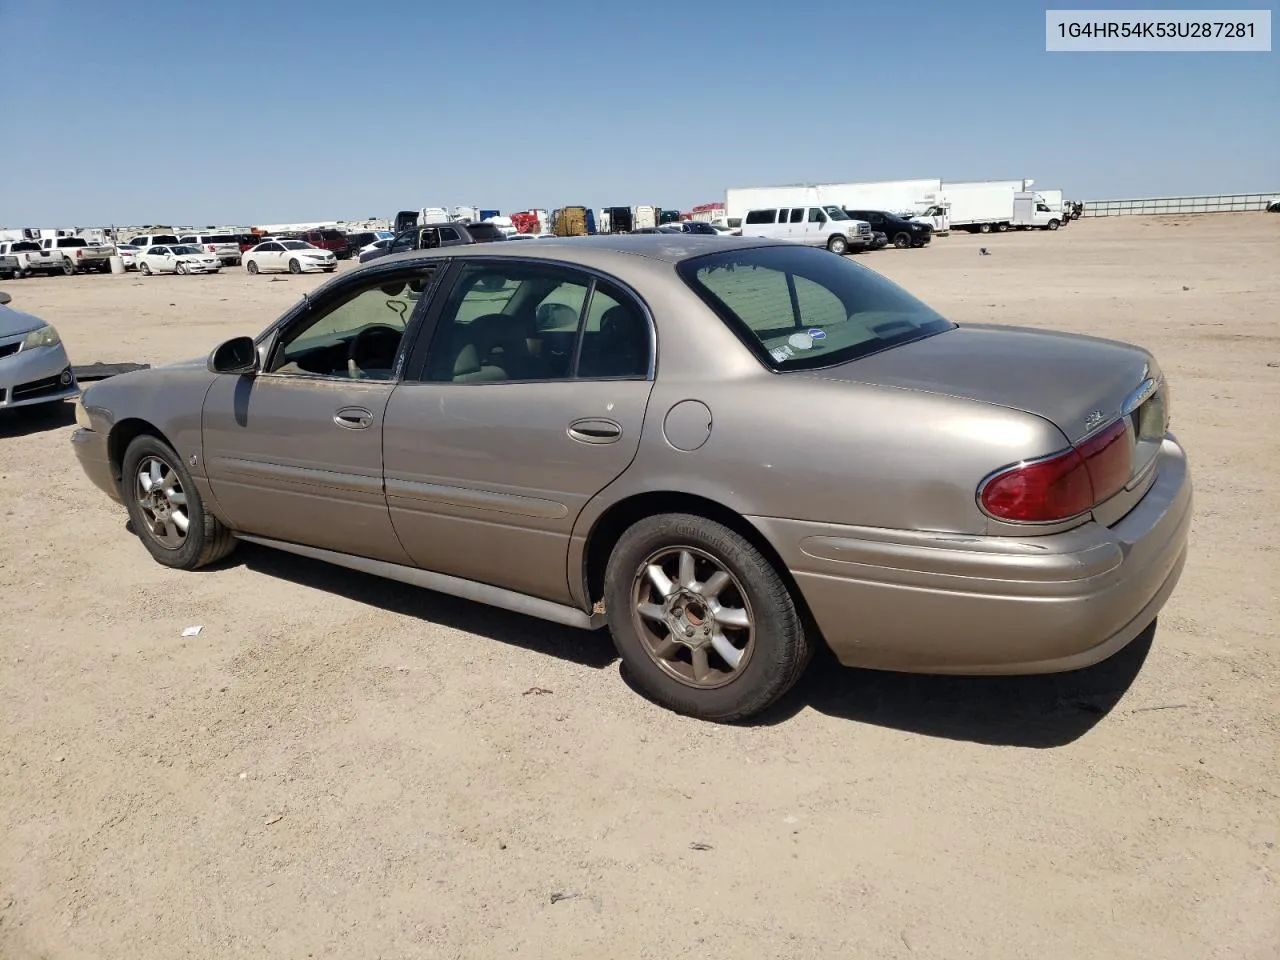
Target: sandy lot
point(341, 767)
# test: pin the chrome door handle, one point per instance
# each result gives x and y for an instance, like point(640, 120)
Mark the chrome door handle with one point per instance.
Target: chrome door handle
point(591, 430)
point(353, 418)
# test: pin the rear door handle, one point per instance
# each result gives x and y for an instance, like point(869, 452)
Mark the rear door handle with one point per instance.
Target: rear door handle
point(591, 430)
point(353, 418)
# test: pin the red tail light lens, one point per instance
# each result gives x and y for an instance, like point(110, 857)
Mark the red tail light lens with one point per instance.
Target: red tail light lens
point(1064, 485)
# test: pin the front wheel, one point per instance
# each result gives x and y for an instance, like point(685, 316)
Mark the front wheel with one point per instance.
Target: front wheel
point(838, 245)
point(702, 621)
point(1053, 225)
point(902, 241)
point(180, 269)
point(295, 266)
point(166, 510)
point(984, 228)
point(252, 267)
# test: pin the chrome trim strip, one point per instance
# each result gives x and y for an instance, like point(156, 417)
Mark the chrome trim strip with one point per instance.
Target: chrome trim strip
point(477, 499)
point(442, 583)
point(1139, 396)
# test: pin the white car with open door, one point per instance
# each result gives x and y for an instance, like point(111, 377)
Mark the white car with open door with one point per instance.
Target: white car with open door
point(296, 256)
point(176, 258)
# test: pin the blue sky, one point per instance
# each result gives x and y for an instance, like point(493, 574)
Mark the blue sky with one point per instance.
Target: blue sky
point(258, 111)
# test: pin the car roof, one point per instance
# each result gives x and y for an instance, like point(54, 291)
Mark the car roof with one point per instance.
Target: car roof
point(596, 251)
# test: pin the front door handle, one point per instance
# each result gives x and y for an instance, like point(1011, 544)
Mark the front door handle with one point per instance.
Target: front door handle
point(353, 418)
point(593, 430)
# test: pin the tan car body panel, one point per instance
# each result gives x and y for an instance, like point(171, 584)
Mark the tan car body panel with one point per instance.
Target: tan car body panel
point(861, 477)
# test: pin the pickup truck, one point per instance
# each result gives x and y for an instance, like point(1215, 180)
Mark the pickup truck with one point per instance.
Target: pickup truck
point(79, 254)
point(31, 259)
point(452, 234)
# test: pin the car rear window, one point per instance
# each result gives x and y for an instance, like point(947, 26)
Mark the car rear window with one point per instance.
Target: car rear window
point(72, 242)
point(220, 238)
point(484, 232)
point(22, 246)
point(799, 308)
point(761, 216)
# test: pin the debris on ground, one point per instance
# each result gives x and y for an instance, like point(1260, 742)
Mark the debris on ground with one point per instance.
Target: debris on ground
point(557, 897)
point(699, 845)
point(192, 631)
point(536, 691)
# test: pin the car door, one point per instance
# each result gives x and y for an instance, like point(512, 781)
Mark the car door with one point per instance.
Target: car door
point(815, 227)
point(267, 256)
point(528, 402)
point(294, 453)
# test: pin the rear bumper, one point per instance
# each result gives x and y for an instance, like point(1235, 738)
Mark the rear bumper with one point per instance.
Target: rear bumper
point(947, 603)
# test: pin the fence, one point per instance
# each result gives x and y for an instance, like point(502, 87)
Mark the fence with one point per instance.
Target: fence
point(1213, 203)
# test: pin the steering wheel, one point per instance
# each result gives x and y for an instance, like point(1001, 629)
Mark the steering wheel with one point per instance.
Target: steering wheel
point(376, 340)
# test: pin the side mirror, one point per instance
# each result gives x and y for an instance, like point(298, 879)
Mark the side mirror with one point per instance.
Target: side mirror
point(238, 355)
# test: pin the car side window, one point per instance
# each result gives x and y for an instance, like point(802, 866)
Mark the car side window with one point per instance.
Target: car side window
point(797, 215)
point(616, 340)
point(356, 335)
point(816, 215)
point(160, 250)
point(508, 322)
point(448, 233)
point(403, 242)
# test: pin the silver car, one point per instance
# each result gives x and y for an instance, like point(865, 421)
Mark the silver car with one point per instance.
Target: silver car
point(726, 450)
point(34, 368)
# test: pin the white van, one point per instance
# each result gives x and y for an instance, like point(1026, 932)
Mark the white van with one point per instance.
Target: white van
point(828, 227)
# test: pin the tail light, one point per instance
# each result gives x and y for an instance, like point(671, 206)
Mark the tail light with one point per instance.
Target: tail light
point(79, 253)
point(1061, 486)
point(212, 248)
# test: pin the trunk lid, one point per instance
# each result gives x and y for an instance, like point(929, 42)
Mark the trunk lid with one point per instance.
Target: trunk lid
point(1078, 383)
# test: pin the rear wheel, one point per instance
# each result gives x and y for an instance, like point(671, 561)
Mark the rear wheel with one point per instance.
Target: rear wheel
point(984, 228)
point(1001, 227)
point(902, 241)
point(701, 619)
point(68, 267)
point(165, 507)
point(838, 245)
point(295, 266)
point(251, 266)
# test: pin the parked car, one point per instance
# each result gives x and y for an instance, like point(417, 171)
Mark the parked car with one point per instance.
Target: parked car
point(296, 256)
point(902, 232)
point(427, 238)
point(247, 241)
point(34, 368)
point(648, 462)
point(152, 240)
point(379, 244)
point(224, 246)
point(828, 227)
point(690, 226)
point(78, 255)
point(1273, 206)
point(176, 258)
point(358, 241)
point(128, 255)
point(332, 240)
point(27, 255)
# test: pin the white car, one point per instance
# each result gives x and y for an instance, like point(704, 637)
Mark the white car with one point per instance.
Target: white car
point(378, 244)
point(296, 256)
point(128, 253)
point(177, 258)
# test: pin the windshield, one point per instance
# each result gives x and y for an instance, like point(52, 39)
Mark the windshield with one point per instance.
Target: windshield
point(799, 308)
point(835, 213)
point(296, 245)
point(186, 249)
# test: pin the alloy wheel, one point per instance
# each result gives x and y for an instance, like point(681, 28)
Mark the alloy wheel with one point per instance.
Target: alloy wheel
point(693, 616)
point(159, 493)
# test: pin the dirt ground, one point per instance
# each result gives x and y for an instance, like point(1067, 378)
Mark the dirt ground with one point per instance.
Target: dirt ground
point(341, 767)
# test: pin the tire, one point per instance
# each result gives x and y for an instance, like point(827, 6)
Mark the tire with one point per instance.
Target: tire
point(252, 267)
point(295, 266)
point(984, 228)
point(902, 241)
point(775, 648)
point(180, 269)
point(838, 245)
point(144, 269)
point(68, 268)
point(1053, 225)
point(1001, 227)
point(154, 514)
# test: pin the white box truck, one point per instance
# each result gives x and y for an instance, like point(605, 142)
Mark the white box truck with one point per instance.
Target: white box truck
point(890, 196)
point(980, 206)
point(1030, 212)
